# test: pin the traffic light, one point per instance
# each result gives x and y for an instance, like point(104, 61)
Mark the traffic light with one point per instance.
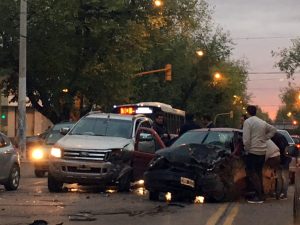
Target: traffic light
point(168, 71)
point(3, 116)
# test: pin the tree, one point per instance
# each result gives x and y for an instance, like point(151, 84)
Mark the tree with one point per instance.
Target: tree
point(91, 49)
point(88, 47)
point(290, 58)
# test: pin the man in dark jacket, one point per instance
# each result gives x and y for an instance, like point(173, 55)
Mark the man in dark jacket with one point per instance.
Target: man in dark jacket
point(283, 172)
point(189, 124)
point(160, 128)
point(207, 121)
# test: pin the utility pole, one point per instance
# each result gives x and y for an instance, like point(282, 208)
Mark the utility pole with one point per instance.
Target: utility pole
point(22, 79)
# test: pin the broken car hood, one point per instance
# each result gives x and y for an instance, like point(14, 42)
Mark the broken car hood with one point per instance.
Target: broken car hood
point(202, 154)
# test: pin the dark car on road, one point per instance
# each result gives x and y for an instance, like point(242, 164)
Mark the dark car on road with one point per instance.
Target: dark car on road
point(202, 162)
point(40, 151)
point(9, 164)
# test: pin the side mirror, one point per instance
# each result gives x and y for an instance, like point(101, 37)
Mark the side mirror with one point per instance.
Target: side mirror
point(146, 137)
point(292, 151)
point(64, 130)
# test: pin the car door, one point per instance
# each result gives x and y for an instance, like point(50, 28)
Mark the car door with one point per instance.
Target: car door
point(147, 142)
point(6, 150)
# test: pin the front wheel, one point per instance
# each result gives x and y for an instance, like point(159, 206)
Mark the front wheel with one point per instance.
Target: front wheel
point(124, 183)
point(53, 184)
point(13, 179)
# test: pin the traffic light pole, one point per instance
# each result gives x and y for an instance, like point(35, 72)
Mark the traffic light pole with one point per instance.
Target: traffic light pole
point(167, 70)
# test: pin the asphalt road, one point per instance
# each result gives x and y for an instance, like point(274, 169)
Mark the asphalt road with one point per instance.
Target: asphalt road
point(82, 206)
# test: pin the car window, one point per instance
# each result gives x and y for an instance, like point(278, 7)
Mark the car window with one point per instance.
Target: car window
point(3, 141)
point(220, 138)
point(287, 136)
point(190, 137)
point(103, 127)
point(58, 126)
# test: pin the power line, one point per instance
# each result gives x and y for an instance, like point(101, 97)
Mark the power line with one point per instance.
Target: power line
point(279, 79)
point(264, 38)
point(271, 72)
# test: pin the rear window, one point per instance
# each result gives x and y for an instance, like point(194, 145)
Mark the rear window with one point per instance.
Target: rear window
point(220, 138)
point(287, 136)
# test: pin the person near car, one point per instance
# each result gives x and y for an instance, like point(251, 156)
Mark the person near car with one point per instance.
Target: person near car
point(282, 173)
point(272, 164)
point(256, 132)
point(189, 124)
point(160, 128)
point(242, 120)
point(207, 121)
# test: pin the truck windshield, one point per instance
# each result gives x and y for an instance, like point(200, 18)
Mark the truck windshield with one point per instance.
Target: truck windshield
point(103, 127)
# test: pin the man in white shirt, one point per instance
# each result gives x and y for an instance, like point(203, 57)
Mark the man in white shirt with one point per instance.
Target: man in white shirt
point(256, 132)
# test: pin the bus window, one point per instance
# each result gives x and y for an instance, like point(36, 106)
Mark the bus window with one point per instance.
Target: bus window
point(174, 118)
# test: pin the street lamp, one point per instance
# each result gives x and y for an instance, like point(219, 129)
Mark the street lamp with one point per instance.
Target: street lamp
point(200, 53)
point(217, 76)
point(158, 3)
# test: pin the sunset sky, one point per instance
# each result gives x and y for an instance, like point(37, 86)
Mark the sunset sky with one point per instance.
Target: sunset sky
point(258, 27)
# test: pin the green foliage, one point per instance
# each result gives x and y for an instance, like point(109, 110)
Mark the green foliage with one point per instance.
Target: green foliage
point(290, 58)
point(94, 47)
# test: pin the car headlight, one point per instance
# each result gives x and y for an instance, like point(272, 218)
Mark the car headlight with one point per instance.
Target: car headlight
point(37, 154)
point(56, 152)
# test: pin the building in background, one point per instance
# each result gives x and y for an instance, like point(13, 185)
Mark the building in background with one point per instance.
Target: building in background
point(36, 123)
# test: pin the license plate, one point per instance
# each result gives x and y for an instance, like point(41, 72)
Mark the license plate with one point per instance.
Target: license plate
point(187, 182)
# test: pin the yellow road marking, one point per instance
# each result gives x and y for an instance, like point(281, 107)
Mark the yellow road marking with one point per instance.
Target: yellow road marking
point(230, 218)
point(216, 216)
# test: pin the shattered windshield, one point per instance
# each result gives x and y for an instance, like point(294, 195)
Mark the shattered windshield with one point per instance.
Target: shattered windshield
point(103, 127)
point(219, 138)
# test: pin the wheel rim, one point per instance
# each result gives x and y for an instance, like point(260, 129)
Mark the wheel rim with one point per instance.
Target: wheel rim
point(15, 177)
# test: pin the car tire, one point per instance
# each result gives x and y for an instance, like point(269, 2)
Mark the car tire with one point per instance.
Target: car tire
point(53, 184)
point(39, 173)
point(296, 203)
point(153, 195)
point(292, 177)
point(124, 183)
point(14, 178)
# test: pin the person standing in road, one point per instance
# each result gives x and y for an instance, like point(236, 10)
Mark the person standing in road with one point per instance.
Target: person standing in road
point(160, 128)
point(207, 121)
point(243, 118)
point(189, 124)
point(256, 132)
point(282, 172)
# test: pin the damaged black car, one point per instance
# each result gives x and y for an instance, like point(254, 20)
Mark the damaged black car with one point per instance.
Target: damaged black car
point(203, 162)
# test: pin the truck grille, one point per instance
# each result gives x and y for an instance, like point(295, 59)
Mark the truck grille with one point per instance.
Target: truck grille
point(86, 154)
